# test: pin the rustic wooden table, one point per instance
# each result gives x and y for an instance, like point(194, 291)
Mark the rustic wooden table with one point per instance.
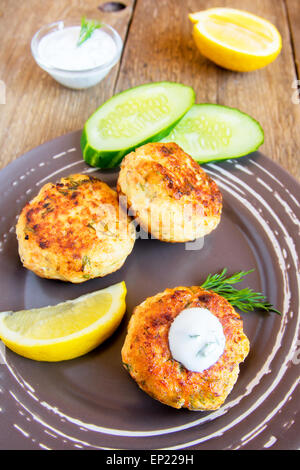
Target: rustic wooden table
point(158, 45)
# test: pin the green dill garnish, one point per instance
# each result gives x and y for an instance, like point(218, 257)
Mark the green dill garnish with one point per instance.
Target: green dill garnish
point(204, 349)
point(48, 209)
point(85, 262)
point(245, 300)
point(91, 225)
point(106, 229)
point(29, 229)
point(72, 184)
point(87, 29)
point(64, 192)
point(127, 366)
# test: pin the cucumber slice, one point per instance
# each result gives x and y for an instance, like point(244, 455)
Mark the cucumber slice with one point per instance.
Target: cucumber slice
point(211, 132)
point(132, 118)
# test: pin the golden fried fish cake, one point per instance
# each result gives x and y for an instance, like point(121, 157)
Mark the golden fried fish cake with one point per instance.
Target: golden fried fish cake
point(147, 357)
point(170, 194)
point(74, 230)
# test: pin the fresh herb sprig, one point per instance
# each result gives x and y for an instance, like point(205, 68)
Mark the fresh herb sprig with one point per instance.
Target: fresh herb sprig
point(245, 300)
point(87, 29)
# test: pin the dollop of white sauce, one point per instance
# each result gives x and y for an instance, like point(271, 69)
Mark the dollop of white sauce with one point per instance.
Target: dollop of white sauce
point(59, 49)
point(196, 339)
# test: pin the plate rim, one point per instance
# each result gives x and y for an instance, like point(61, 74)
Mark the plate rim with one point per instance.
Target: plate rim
point(76, 133)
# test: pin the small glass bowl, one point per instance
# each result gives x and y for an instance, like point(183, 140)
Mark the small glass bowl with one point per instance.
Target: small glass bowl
point(75, 79)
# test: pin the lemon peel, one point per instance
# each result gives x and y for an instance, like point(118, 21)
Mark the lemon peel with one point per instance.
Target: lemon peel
point(66, 330)
point(235, 39)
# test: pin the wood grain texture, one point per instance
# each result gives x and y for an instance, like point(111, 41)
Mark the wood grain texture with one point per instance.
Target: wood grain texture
point(159, 46)
point(169, 53)
point(37, 108)
point(293, 13)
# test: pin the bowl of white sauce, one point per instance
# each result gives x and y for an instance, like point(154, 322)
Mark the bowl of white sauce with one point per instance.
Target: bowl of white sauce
point(54, 48)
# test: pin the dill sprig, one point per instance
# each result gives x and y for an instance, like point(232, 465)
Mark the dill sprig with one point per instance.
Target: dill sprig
point(245, 300)
point(87, 29)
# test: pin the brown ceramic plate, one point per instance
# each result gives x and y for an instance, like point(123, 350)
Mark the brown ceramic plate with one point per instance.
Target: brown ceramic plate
point(91, 402)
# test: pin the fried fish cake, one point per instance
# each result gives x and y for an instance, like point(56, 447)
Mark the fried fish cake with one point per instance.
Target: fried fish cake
point(74, 230)
point(169, 193)
point(146, 352)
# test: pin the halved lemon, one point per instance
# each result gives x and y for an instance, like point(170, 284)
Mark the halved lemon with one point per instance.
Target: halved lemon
point(235, 39)
point(66, 330)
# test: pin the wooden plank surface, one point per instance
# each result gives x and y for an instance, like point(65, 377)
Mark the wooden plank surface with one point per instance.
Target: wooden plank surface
point(37, 108)
point(170, 53)
point(293, 13)
point(159, 46)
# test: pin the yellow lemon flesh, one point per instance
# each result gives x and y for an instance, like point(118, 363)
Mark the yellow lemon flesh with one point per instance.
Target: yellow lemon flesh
point(66, 330)
point(235, 39)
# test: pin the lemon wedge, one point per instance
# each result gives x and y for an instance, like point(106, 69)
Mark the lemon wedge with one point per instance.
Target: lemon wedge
point(66, 330)
point(235, 39)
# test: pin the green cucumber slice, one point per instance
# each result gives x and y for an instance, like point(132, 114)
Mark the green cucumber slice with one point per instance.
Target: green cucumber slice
point(210, 132)
point(132, 118)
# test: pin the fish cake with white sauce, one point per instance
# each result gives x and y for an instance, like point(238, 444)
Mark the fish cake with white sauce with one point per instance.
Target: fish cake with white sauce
point(147, 356)
point(74, 230)
point(170, 195)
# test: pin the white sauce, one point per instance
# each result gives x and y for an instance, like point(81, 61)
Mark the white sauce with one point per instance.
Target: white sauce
point(59, 49)
point(196, 339)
